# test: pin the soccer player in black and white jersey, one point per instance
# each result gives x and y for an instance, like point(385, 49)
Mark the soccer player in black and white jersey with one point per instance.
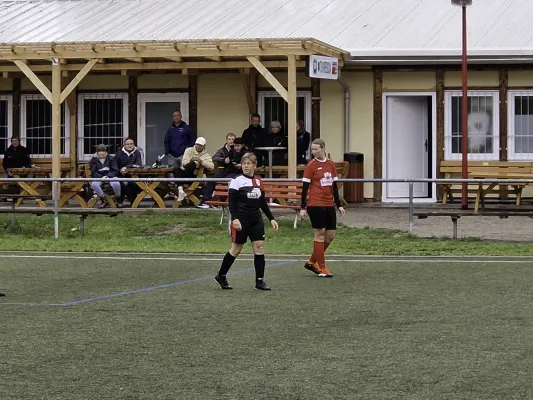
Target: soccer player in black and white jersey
point(246, 201)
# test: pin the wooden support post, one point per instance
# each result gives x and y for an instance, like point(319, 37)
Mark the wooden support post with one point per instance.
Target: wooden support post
point(35, 79)
point(133, 108)
point(72, 103)
point(315, 108)
point(292, 115)
point(56, 122)
point(269, 77)
point(245, 78)
point(72, 85)
point(17, 95)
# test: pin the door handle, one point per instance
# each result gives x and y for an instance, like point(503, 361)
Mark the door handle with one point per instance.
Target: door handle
point(426, 145)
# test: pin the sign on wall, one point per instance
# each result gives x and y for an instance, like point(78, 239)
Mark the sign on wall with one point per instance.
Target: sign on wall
point(322, 67)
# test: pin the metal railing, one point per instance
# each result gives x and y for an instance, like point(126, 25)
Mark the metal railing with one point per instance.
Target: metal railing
point(410, 200)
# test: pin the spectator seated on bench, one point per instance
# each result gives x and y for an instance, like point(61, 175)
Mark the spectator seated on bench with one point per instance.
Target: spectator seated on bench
point(229, 159)
point(104, 166)
point(127, 158)
point(193, 159)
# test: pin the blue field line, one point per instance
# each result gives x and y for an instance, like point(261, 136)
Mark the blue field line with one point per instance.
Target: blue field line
point(179, 283)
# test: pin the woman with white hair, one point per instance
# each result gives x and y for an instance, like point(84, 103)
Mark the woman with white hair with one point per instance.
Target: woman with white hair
point(278, 139)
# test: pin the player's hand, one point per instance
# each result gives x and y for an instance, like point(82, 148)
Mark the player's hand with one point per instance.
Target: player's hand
point(274, 224)
point(303, 213)
point(342, 211)
point(236, 224)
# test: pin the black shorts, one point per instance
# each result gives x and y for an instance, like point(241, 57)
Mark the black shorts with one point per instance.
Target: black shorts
point(322, 217)
point(254, 230)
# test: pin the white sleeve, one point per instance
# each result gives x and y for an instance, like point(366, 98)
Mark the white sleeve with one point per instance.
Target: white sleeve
point(233, 184)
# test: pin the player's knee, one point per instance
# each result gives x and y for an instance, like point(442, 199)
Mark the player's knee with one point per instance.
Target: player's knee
point(259, 249)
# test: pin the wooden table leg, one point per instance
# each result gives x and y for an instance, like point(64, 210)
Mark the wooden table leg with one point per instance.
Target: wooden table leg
point(148, 189)
point(31, 190)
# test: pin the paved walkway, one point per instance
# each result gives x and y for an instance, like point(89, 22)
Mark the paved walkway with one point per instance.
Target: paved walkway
point(489, 228)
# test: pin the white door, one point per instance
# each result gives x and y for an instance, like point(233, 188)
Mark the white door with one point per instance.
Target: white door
point(407, 145)
point(155, 117)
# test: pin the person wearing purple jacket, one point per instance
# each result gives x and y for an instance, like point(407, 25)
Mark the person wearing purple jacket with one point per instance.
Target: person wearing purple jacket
point(178, 137)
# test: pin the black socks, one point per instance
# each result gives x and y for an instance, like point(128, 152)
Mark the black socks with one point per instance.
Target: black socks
point(259, 264)
point(227, 262)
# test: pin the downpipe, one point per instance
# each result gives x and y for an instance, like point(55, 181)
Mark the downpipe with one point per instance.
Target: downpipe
point(347, 101)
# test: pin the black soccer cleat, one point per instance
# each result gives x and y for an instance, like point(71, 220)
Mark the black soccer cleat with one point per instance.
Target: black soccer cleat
point(2, 294)
point(261, 285)
point(312, 268)
point(223, 282)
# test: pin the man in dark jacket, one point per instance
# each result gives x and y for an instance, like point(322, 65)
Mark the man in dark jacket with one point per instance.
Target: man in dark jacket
point(255, 136)
point(303, 140)
point(127, 158)
point(277, 139)
point(104, 166)
point(177, 139)
point(16, 156)
point(229, 158)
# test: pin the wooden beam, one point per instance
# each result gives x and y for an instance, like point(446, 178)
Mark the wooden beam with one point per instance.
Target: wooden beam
point(77, 79)
point(254, 75)
point(34, 79)
point(245, 78)
point(110, 66)
point(104, 53)
point(292, 116)
point(135, 59)
point(71, 101)
point(269, 77)
point(216, 59)
point(378, 132)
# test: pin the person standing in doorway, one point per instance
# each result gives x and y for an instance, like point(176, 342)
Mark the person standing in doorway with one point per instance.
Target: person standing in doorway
point(303, 139)
point(320, 181)
point(178, 138)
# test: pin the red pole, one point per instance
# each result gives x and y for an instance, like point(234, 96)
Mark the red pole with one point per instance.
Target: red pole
point(464, 123)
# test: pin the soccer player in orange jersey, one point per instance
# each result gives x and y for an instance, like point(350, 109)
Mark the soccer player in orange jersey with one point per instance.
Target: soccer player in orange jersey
point(320, 182)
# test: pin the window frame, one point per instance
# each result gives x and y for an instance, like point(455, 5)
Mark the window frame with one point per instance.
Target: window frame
point(511, 109)
point(308, 104)
point(9, 99)
point(495, 155)
point(81, 115)
point(23, 130)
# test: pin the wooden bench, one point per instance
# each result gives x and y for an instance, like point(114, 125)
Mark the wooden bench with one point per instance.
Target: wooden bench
point(455, 215)
point(480, 169)
point(288, 195)
point(86, 173)
point(82, 212)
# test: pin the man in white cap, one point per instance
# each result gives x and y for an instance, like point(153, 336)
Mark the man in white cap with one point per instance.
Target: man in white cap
point(193, 158)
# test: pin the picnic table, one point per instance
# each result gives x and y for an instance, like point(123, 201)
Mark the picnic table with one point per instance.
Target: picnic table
point(485, 189)
point(149, 188)
point(33, 188)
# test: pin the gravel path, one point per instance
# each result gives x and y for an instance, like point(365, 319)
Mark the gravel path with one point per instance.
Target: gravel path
point(489, 228)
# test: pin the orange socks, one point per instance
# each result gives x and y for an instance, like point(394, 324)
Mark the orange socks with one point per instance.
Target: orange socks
point(318, 253)
point(312, 259)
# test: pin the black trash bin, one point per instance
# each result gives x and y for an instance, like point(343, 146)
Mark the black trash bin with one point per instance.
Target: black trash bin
point(354, 192)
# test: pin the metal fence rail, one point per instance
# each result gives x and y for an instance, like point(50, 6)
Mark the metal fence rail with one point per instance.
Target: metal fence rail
point(57, 181)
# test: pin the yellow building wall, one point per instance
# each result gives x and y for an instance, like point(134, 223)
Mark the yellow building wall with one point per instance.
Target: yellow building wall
point(222, 108)
point(409, 81)
point(361, 119)
point(475, 78)
point(104, 82)
point(6, 84)
point(162, 81)
point(301, 80)
point(520, 78)
point(26, 85)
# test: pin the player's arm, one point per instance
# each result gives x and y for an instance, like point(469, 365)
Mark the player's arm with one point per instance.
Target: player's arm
point(265, 208)
point(336, 197)
point(308, 175)
point(233, 203)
